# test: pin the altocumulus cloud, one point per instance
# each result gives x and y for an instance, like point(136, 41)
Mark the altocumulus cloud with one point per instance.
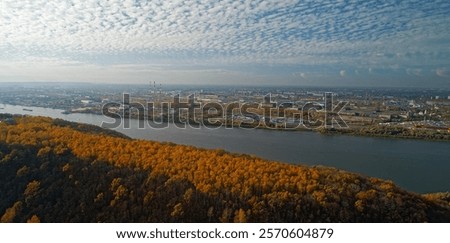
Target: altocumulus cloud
point(257, 39)
point(442, 72)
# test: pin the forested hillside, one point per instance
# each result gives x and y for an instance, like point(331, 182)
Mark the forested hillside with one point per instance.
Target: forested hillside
point(56, 171)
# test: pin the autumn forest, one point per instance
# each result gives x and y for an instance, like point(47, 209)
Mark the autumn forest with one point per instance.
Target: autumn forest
point(58, 171)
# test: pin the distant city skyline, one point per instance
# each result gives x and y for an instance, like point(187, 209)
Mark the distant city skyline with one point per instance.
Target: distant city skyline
point(295, 43)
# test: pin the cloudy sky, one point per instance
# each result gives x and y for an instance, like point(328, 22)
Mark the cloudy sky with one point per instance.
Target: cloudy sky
point(249, 42)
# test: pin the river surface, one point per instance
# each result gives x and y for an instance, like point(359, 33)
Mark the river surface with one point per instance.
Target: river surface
point(416, 165)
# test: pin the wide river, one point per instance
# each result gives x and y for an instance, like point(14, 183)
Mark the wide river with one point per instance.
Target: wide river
point(416, 165)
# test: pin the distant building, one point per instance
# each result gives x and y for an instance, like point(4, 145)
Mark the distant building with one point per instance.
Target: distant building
point(287, 105)
point(209, 98)
point(267, 99)
point(191, 100)
point(176, 101)
point(126, 99)
point(328, 101)
point(86, 102)
point(385, 116)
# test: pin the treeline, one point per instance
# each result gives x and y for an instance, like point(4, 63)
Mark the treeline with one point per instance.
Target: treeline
point(393, 132)
point(56, 171)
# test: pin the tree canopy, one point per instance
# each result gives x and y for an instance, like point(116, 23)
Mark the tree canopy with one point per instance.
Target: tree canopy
point(56, 171)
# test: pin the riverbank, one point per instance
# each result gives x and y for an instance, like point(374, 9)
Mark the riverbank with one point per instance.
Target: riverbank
point(386, 130)
point(383, 130)
point(392, 132)
point(415, 164)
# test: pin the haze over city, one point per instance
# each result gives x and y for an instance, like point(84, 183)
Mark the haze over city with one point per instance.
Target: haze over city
point(320, 43)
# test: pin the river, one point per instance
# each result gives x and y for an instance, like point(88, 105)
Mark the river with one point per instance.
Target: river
point(416, 165)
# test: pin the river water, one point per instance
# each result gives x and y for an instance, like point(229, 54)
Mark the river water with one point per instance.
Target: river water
point(416, 165)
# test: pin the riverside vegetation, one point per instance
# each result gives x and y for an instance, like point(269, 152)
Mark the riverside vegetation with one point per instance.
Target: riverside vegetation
point(58, 171)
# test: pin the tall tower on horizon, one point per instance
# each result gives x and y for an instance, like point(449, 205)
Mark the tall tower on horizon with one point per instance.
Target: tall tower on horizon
point(328, 101)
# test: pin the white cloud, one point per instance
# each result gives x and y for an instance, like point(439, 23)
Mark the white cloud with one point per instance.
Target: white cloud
point(414, 71)
point(342, 73)
point(299, 75)
point(442, 72)
point(250, 29)
point(357, 34)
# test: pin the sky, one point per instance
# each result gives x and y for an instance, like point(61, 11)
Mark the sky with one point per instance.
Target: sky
point(229, 42)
